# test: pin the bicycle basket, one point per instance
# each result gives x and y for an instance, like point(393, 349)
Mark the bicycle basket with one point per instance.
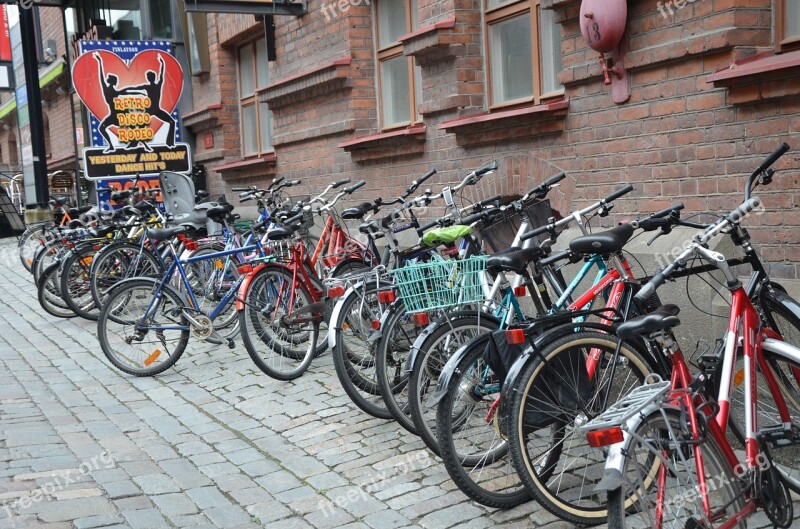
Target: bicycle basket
point(441, 284)
point(500, 234)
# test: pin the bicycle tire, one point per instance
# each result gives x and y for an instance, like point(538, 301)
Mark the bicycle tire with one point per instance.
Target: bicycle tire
point(398, 333)
point(474, 452)
point(558, 485)
point(354, 354)
point(113, 263)
point(629, 508)
point(269, 349)
point(48, 293)
point(75, 283)
point(45, 256)
point(168, 306)
point(29, 241)
point(208, 281)
point(451, 332)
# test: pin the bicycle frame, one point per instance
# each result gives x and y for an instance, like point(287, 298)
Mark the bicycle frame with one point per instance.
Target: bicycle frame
point(334, 241)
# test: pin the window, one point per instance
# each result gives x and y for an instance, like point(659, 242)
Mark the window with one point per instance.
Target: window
point(161, 19)
point(787, 24)
point(399, 86)
point(256, 118)
point(524, 52)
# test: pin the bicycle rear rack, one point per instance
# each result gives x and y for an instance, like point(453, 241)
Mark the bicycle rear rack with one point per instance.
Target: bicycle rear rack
point(653, 389)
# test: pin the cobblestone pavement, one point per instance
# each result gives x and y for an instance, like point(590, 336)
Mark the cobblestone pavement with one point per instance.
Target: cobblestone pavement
point(212, 442)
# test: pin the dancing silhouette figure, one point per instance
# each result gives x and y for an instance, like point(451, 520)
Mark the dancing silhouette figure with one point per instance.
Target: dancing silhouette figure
point(152, 89)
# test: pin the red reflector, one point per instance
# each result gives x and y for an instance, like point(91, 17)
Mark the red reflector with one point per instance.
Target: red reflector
point(244, 268)
point(607, 437)
point(386, 296)
point(376, 325)
point(181, 236)
point(421, 319)
point(519, 291)
point(335, 292)
point(190, 245)
point(515, 336)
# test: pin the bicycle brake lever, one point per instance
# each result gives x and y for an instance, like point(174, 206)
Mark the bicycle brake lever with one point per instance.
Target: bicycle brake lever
point(656, 236)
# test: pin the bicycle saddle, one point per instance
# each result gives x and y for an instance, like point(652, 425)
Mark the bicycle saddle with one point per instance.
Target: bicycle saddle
point(105, 231)
point(515, 261)
point(663, 318)
point(280, 233)
point(605, 242)
point(74, 212)
point(162, 234)
point(357, 212)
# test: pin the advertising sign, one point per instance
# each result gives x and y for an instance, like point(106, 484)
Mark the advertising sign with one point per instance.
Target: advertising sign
point(131, 89)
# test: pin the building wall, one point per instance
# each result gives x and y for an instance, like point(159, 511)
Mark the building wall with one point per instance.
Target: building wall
point(678, 137)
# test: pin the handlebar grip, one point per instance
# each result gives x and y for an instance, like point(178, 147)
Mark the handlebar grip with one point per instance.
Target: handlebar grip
point(276, 182)
point(650, 287)
point(620, 192)
point(105, 189)
point(355, 186)
point(533, 233)
point(475, 217)
point(664, 212)
point(245, 199)
point(259, 225)
point(291, 183)
point(653, 223)
point(556, 257)
point(341, 183)
point(488, 168)
point(239, 189)
point(773, 157)
point(740, 212)
point(295, 218)
point(416, 183)
point(487, 201)
point(555, 179)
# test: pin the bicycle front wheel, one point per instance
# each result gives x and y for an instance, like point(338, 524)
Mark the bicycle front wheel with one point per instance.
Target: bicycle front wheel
point(76, 283)
point(120, 261)
point(49, 293)
point(661, 479)
point(555, 395)
point(280, 349)
point(141, 331)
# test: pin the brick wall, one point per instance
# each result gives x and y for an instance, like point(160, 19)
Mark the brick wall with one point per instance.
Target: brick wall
point(678, 137)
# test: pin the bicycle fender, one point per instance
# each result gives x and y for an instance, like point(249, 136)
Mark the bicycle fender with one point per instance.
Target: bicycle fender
point(63, 260)
point(420, 341)
point(529, 354)
point(779, 297)
point(245, 286)
point(450, 368)
point(613, 477)
point(352, 290)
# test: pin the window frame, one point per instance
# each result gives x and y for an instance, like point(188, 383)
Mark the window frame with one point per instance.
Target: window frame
point(782, 41)
point(508, 11)
point(252, 99)
point(392, 51)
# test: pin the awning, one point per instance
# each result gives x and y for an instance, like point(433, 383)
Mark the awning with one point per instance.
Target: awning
point(46, 76)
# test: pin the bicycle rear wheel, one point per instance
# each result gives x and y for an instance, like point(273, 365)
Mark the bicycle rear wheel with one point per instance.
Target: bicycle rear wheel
point(354, 352)
point(76, 284)
point(661, 480)
point(473, 449)
point(120, 261)
point(142, 334)
point(31, 239)
point(281, 350)
point(48, 291)
point(555, 395)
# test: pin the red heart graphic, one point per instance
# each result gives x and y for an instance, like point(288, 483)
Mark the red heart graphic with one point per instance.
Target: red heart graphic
point(88, 84)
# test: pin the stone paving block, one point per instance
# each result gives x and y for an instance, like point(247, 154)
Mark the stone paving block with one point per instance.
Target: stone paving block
point(259, 467)
point(386, 519)
point(134, 503)
point(59, 511)
point(228, 516)
point(121, 489)
point(97, 521)
point(145, 519)
point(152, 484)
point(278, 482)
point(175, 504)
point(208, 497)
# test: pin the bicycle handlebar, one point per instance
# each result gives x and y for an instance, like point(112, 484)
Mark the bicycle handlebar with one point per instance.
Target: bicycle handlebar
point(357, 185)
point(780, 151)
point(416, 183)
point(341, 183)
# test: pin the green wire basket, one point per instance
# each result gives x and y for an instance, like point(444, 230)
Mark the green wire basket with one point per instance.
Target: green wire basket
point(441, 284)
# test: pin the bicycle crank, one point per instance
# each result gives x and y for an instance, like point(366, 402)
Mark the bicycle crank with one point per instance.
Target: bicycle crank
point(201, 325)
point(773, 493)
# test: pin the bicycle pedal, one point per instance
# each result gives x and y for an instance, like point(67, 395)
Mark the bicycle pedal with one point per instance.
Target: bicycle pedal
point(231, 344)
point(779, 436)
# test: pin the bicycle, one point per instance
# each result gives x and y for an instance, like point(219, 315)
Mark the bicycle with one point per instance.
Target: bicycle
point(670, 436)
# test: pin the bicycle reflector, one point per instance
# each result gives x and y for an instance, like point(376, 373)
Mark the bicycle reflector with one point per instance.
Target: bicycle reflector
point(515, 336)
point(519, 291)
point(245, 268)
point(609, 436)
point(336, 292)
point(376, 325)
point(386, 296)
point(421, 319)
point(190, 245)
